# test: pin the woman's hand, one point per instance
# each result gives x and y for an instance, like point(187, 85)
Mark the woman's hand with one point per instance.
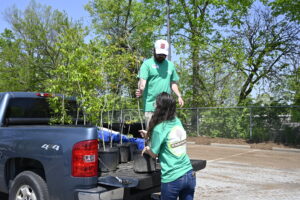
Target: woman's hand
point(146, 150)
point(143, 133)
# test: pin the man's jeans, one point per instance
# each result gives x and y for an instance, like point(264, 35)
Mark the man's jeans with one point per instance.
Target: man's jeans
point(183, 187)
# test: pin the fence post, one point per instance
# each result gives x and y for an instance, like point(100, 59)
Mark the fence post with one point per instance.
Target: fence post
point(250, 122)
point(197, 122)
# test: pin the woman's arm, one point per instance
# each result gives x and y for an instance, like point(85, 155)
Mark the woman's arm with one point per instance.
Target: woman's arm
point(148, 151)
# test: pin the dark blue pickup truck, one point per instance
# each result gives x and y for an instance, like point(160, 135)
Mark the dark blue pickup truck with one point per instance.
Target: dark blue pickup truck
point(39, 161)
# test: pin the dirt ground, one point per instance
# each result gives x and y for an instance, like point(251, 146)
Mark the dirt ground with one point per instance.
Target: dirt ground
point(263, 145)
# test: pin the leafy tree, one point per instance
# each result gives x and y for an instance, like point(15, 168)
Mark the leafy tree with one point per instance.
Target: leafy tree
point(13, 74)
point(294, 88)
point(263, 44)
point(87, 71)
point(196, 26)
point(131, 26)
point(79, 73)
point(36, 31)
point(290, 8)
point(294, 80)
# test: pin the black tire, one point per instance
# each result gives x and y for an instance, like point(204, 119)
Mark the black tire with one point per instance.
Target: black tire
point(28, 184)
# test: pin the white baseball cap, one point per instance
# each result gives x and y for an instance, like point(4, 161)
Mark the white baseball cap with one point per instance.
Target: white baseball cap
point(161, 47)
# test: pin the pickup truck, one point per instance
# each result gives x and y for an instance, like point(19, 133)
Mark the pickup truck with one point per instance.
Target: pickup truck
point(39, 161)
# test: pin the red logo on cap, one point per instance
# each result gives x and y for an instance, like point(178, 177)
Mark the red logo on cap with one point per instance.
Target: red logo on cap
point(162, 45)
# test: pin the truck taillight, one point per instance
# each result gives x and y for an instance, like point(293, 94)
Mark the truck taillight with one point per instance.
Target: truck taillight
point(85, 159)
point(44, 95)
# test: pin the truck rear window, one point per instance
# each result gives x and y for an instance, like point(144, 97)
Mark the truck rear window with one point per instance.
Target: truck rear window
point(39, 108)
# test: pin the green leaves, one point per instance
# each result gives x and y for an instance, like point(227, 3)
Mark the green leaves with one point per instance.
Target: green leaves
point(35, 34)
point(225, 50)
point(290, 8)
point(129, 24)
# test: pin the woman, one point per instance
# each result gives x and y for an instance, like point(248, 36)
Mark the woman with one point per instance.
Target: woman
point(168, 143)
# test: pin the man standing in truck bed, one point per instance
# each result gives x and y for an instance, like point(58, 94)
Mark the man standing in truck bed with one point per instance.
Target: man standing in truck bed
point(157, 75)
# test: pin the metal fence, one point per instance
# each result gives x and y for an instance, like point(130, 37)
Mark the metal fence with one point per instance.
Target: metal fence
point(273, 123)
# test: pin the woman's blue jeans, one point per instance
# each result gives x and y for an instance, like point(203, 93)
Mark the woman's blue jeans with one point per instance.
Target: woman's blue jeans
point(183, 187)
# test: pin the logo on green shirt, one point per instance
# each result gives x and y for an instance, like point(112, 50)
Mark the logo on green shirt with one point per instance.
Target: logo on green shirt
point(177, 141)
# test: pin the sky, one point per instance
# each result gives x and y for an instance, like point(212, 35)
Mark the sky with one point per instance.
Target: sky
point(74, 9)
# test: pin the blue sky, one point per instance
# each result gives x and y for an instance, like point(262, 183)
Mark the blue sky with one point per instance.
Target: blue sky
point(74, 9)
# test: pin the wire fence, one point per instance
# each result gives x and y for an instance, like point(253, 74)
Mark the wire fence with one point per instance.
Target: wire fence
point(273, 123)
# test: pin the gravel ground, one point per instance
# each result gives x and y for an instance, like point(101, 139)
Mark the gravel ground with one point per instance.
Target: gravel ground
point(247, 175)
point(231, 180)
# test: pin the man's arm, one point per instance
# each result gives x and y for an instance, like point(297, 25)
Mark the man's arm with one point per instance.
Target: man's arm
point(175, 89)
point(141, 87)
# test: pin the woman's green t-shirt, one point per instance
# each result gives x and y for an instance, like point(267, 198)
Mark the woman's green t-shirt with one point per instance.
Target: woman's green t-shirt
point(168, 141)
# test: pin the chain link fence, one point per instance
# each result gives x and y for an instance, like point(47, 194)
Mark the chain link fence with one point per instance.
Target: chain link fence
point(258, 124)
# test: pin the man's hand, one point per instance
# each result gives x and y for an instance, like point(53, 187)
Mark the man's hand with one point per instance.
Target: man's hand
point(138, 93)
point(180, 101)
point(175, 89)
point(141, 87)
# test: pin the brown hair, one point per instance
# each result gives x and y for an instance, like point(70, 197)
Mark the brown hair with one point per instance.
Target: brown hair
point(165, 110)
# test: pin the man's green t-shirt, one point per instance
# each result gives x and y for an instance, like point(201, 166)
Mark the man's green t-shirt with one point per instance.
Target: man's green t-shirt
point(159, 77)
point(168, 141)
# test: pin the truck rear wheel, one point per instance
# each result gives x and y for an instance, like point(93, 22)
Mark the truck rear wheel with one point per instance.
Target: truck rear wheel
point(28, 186)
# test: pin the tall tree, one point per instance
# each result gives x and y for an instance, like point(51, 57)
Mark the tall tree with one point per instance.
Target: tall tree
point(130, 25)
point(11, 69)
point(195, 22)
point(78, 74)
point(37, 30)
point(290, 8)
point(264, 43)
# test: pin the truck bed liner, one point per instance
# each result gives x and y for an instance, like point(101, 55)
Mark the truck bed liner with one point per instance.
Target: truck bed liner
point(144, 181)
